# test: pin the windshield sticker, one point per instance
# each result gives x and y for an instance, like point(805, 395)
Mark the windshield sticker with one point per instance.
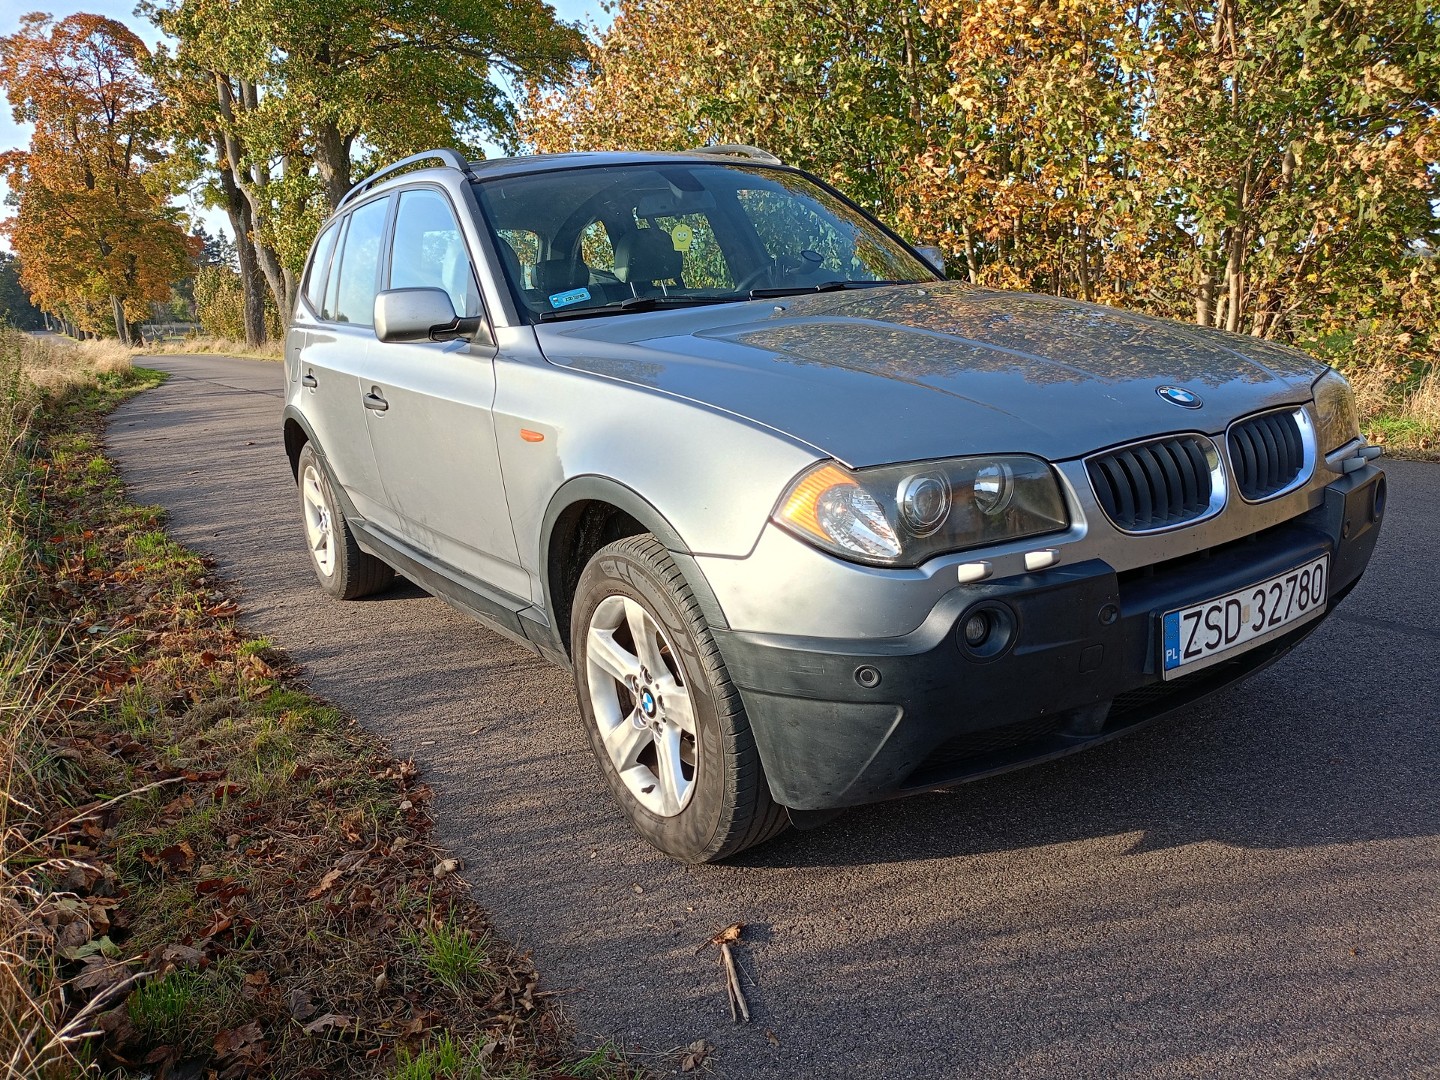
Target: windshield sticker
point(565, 299)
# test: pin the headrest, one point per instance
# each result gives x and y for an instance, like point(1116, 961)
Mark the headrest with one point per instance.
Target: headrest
point(647, 255)
point(561, 275)
point(512, 263)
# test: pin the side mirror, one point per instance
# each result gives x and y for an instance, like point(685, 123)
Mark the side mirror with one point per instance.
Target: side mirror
point(934, 257)
point(406, 315)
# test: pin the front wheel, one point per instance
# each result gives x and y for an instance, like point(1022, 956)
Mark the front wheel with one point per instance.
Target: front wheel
point(665, 722)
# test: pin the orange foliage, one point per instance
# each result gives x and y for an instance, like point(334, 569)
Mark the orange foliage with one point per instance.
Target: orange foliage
point(97, 242)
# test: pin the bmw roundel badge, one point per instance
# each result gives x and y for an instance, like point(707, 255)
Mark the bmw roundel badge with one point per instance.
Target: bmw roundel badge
point(1178, 395)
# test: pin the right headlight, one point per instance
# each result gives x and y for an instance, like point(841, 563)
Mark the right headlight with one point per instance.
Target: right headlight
point(901, 515)
point(1337, 421)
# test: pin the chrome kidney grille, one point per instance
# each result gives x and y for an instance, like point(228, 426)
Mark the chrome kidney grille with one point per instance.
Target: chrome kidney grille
point(1271, 453)
point(1159, 484)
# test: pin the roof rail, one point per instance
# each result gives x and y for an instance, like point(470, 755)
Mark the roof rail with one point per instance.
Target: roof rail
point(754, 153)
point(451, 158)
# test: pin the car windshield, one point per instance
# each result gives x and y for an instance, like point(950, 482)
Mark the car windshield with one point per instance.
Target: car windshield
point(603, 240)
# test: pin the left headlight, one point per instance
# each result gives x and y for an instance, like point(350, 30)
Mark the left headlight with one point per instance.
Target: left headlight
point(1337, 421)
point(901, 515)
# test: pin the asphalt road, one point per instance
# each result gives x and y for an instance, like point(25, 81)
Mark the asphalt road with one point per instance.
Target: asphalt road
point(1251, 888)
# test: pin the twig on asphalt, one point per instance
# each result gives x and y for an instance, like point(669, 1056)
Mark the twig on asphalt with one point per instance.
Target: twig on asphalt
point(739, 1007)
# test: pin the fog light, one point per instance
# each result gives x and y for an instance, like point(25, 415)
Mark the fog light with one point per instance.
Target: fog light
point(977, 629)
point(987, 630)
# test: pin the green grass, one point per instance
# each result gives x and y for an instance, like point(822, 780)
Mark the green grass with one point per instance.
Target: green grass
point(186, 1008)
point(445, 1058)
point(454, 957)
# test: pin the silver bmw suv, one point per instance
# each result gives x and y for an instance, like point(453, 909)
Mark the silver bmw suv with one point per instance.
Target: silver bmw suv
point(811, 525)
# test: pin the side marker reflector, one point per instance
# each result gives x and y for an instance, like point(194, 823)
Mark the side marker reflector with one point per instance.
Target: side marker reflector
point(531, 436)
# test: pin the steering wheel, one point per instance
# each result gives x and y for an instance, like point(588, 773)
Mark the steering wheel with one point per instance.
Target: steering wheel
point(802, 264)
point(753, 279)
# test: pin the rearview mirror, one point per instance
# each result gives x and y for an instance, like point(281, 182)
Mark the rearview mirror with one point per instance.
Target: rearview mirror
point(934, 257)
point(407, 315)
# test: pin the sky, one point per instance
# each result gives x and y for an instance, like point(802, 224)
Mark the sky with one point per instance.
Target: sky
point(13, 135)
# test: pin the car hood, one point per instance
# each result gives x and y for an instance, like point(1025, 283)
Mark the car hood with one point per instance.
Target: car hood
point(907, 372)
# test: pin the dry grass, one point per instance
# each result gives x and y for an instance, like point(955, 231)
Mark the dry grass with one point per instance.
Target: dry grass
point(202, 867)
point(271, 350)
point(1401, 414)
point(37, 666)
point(53, 364)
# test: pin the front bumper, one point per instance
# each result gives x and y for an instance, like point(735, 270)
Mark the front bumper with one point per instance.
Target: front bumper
point(1082, 669)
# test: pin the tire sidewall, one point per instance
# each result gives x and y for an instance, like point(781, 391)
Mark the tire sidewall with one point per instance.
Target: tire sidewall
point(694, 832)
point(331, 582)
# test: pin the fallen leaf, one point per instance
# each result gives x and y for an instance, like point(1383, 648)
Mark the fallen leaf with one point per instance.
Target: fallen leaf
point(326, 884)
point(100, 974)
point(329, 1022)
point(728, 936)
point(772, 1037)
point(445, 867)
point(694, 1055)
point(302, 1005)
point(176, 858)
point(181, 956)
point(241, 1048)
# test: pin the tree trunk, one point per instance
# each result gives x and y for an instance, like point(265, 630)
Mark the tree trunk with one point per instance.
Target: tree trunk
point(237, 207)
point(117, 311)
point(1204, 290)
point(332, 161)
point(972, 266)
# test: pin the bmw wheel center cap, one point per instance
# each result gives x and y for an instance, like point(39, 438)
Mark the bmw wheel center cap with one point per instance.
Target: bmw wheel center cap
point(1178, 395)
point(647, 703)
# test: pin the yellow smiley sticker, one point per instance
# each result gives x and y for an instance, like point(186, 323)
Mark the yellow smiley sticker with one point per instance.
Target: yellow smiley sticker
point(681, 236)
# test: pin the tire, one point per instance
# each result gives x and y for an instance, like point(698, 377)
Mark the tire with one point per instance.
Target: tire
point(343, 570)
point(674, 744)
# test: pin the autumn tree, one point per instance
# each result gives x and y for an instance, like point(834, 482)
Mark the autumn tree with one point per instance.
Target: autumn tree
point(1266, 169)
point(294, 96)
point(97, 241)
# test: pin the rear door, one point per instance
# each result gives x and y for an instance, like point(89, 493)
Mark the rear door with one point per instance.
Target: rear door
point(337, 347)
point(434, 441)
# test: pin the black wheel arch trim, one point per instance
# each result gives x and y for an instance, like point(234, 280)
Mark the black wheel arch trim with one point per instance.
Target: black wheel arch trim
point(593, 488)
point(290, 414)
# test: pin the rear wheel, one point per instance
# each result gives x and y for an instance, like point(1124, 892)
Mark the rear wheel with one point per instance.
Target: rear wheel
point(344, 571)
point(666, 724)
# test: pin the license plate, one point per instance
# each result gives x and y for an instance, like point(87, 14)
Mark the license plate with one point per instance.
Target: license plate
point(1205, 633)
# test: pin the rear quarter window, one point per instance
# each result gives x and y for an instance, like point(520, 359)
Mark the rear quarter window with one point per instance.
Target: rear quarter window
point(319, 268)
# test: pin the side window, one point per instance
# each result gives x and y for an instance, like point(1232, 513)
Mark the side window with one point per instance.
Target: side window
point(359, 263)
point(526, 246)
point(320, 267)
point(595, 248)
point(429, 250)
point(332, 287)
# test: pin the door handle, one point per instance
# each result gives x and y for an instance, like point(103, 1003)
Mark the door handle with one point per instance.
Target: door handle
point(310, 380)
point(374, 402)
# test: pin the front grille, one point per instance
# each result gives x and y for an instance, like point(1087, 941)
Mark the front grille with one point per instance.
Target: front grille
point(1266, 453)
point(1154, 485)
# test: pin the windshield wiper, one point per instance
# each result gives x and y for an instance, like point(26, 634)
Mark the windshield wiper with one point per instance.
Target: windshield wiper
point(638, 303)
point(824, 286)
